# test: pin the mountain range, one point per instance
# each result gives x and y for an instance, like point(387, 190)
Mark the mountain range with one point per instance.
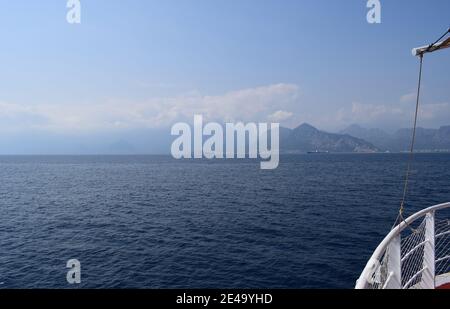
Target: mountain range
point(400, 140)
point(302, 139)
point(306, 138)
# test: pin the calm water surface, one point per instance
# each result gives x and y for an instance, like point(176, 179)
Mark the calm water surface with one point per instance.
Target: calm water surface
point(153, 222)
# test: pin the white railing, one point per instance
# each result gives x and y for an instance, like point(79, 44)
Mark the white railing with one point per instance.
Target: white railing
point(415, 254)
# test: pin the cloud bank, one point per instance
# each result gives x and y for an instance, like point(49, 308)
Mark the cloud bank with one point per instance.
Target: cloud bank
point(395, 115)
point(266, 103)
point(271, 103)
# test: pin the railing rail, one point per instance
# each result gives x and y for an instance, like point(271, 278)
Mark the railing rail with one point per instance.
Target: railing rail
point(409, 262)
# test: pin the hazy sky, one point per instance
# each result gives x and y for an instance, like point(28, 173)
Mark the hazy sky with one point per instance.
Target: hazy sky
point(148, 64)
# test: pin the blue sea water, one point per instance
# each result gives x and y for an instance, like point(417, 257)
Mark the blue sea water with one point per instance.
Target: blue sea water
point(154, 222)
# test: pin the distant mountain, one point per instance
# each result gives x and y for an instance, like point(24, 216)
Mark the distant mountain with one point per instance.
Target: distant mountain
point(426, 139)
point(306, 138)
point(375, 136)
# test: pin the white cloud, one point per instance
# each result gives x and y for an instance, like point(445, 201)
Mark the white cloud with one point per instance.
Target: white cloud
point(438, 112)
point(394, 115)
point(364, 113)
point(409, 97)
point(371, 112)
point(248, 105)
point(14, 115)
point(279, 116)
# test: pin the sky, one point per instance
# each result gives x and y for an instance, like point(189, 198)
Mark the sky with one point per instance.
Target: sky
point(139, 65)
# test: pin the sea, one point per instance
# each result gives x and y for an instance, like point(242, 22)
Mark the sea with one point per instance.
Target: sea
point(156, 222)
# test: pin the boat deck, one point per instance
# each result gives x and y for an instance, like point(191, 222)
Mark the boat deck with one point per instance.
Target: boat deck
point(443, 282)
point(444, 287)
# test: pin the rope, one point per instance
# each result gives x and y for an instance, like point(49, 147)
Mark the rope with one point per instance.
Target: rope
point(400, 217)
point(411, 149)
point(437, 41)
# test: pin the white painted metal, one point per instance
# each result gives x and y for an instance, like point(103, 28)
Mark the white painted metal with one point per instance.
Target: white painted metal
point(384, 268)
point(427, 49)
point(428, 275)
point(442, 279)
point(394, 264)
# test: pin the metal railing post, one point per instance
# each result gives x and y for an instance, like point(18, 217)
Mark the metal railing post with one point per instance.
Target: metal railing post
point(428, 275)
point(394, 264)
point(373, 276)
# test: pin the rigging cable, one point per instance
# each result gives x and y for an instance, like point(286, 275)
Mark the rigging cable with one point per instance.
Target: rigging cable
point(411, 150)
point(400, 217)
